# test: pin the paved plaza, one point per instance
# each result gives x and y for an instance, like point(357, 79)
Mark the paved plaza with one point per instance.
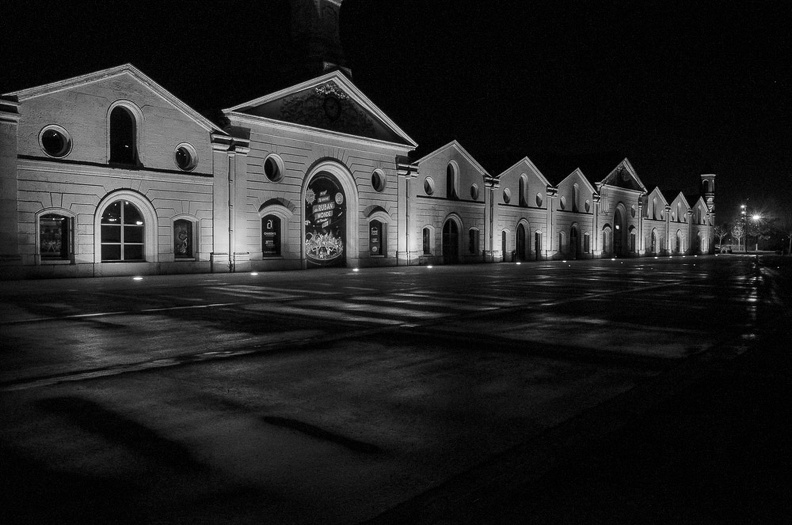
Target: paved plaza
point(435, 395)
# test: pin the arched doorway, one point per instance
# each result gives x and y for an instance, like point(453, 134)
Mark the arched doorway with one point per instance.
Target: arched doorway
point(325, 222)
point(450, 242)
point(678, 245)
point(521, 242)
point(573, 243)
point(654, 242)
point(619, 233)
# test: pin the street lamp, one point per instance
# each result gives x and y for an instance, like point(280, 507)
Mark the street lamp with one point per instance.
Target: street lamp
point(745, 229)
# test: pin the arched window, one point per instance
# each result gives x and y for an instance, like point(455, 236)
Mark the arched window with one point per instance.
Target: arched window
point(377, 244)
point(523, 190)
point(427, 241)
point(452, 181)
point(576, 189)
point(606, 239)
point(54, 237)
point(123, 232)
point(123, 136)
point(586, 243)
point(270, 236)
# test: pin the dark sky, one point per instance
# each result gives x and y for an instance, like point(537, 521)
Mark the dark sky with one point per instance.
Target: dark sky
point(674, 86)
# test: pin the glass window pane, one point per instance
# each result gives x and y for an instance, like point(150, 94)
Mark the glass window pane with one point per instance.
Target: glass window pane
point(54, 237)
point(133, 252)
point(111, 233)
point(132, 215)
point(133, 234)
point(112, 214)
point(111, 252)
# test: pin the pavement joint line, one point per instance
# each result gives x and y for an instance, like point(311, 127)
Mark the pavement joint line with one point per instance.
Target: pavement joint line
point(142, 366)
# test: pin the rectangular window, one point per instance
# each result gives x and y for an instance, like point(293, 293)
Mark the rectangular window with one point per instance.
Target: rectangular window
point(427, 241)
point(183, 239)
point(586, 243)
point(376, 238)
point(54, 237)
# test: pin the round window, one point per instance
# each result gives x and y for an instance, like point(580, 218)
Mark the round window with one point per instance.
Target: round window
point(474, 192)
point(273, 168)
point(429, 185)
point(506, 195)
point(185, 156)
point(378, 180)
point(55, 141)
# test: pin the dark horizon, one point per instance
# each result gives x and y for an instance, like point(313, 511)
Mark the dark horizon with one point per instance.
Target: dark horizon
point(675, 88)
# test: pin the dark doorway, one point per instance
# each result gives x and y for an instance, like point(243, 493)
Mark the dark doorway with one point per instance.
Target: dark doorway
point(538, 245)
point(573, 243)
point(618, 234)
point(520, 242)
point(450, 243)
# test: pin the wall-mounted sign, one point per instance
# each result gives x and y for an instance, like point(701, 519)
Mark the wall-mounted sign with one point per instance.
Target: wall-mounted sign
point(325, 222)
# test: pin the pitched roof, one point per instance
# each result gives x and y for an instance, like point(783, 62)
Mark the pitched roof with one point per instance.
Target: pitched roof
point(104, 74)
point(331, 103)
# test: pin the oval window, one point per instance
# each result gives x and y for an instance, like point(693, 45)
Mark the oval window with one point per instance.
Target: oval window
point(378, 180)
point(539, 199)
point(506, 195)
point(474, 192)
point(55, 141)
point(563, 203)
point(185, 157)
point(273, 168)
point(429, 186)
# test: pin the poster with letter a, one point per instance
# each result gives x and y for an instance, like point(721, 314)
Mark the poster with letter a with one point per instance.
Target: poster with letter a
point(325, 222)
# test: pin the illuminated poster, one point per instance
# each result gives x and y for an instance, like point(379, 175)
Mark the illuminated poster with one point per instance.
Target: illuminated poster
point(325, 222)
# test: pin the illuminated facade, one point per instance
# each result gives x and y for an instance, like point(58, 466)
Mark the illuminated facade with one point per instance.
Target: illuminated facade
point(110, 174)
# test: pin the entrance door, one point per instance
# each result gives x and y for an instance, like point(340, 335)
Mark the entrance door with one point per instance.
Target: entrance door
point(325, 222)
point(520, 242)
point(450, 243)
point(538, 245)
point(503, 244)
point(573, 243)
point(618, 234)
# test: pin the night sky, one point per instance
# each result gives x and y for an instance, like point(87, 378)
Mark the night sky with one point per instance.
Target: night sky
point(677, 87)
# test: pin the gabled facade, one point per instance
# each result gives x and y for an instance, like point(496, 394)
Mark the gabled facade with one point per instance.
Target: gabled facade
point(574, 227)
point(321, 184)
point(522, 203)
point(110, 174)
point(450, 208)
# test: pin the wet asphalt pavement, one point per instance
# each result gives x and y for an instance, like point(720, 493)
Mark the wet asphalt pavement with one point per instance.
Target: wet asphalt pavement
point(646, 390)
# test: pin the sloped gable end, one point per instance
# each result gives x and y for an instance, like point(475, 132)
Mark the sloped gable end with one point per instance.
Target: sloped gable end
point(624, 176)
point(328, 103)
point(119, 80)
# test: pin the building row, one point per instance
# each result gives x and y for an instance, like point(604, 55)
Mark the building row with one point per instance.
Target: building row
point(110, 174)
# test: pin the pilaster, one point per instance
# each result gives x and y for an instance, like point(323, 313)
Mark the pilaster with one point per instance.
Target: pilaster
point(9, 220)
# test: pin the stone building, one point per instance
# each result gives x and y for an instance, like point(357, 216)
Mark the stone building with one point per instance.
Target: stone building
point(110, 174)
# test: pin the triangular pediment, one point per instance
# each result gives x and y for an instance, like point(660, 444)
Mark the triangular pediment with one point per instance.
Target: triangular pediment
point(126, 74)
point(624, 176)
point(330, 103)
